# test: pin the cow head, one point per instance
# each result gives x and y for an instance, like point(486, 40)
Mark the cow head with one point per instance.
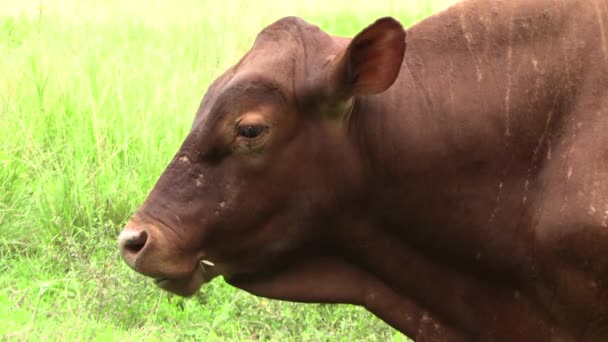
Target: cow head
point(271, 159)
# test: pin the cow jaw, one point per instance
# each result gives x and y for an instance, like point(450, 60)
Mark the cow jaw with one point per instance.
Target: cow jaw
point(314, 280)
point(186, 286)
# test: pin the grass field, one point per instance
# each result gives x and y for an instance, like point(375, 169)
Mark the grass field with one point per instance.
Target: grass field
point(95, 98)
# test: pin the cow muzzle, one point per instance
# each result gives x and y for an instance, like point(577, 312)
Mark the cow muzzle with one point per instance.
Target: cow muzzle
point(146, 249)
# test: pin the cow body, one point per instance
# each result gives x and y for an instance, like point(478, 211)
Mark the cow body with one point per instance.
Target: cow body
point(461, 196)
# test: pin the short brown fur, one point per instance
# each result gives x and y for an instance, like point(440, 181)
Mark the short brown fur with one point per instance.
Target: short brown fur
point(454, 182)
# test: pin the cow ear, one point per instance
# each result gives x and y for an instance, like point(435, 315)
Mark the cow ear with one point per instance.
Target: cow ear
point(371, 62)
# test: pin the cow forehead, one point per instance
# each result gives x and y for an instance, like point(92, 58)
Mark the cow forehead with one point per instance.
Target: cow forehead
point(289, 43)
point(244, 91)
point(287, 29)
point(280, 59)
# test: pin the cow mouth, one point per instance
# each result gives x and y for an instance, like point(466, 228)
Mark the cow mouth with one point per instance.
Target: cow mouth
point(189, 284)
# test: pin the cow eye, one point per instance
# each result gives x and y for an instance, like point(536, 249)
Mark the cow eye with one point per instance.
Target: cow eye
point(250, 131)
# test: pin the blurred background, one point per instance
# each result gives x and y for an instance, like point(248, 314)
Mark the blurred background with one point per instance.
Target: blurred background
point(95, 99)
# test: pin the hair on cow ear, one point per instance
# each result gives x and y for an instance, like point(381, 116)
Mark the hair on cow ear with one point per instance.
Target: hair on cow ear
point(371, 62)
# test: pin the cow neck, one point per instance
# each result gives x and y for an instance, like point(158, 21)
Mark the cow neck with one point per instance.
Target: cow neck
point(397, 279)
point(451, 156)
point(449, 152)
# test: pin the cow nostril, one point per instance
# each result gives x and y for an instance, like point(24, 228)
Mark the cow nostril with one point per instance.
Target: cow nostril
point(133, 242)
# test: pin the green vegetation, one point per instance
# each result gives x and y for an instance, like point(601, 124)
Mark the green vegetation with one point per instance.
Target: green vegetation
point(95, 98)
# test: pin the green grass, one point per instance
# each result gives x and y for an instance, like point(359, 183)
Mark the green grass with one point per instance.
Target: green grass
point(95, 98)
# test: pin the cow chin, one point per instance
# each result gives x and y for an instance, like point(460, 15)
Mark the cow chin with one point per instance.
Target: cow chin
point(184, 286)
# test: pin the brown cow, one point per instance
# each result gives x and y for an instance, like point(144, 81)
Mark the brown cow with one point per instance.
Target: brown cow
point(458, 189)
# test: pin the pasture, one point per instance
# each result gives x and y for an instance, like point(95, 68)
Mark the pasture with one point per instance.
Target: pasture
point(95, 98)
